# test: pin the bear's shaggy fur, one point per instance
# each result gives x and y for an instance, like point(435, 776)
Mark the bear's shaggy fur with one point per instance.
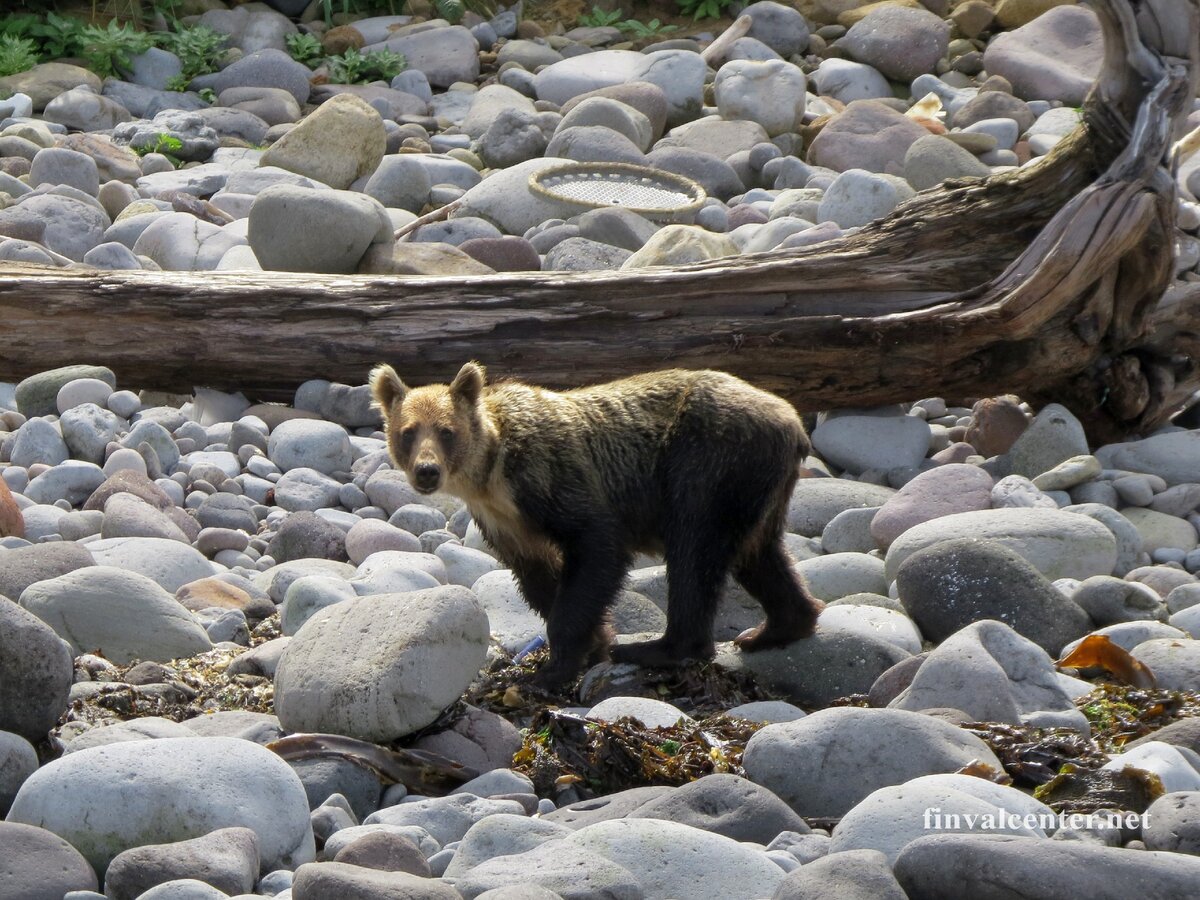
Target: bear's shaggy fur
point(696, 465)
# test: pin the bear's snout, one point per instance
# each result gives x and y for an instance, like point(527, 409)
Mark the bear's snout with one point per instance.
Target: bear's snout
point(426, 477)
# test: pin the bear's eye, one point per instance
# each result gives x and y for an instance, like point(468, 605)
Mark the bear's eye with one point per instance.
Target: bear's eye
point(446, 434)
point(408, 435)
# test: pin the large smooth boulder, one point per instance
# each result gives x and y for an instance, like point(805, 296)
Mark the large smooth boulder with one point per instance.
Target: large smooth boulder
point(951, 584)
point(342, 141)
point(36, 672)
point(994, 866)
point(125, 615)
point(673, 860)
point(383, 666)
point(186, 788)
point(827, 762)
point(1058, 544)
point(1057, 56)
point(993, 675)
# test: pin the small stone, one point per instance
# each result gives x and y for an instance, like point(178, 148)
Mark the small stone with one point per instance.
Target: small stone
point(763, 92)
point(1069, 473)
point(1111, 600)
point(996, 424)
point(305, 535)
point(1173, 823)
point(60, 166)
point(1175, 663)
point(310, 444)
point(933, 159)
point(679, 245)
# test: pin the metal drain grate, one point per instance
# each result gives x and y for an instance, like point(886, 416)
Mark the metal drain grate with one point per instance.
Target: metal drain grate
point(649, 192)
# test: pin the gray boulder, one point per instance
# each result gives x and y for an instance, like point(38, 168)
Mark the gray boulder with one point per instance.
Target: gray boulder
point(954, 583)
point(383, 667)
point(124, 614)
point(36, 672)
point(824, 764)
point(976, 865)
point(208, 782)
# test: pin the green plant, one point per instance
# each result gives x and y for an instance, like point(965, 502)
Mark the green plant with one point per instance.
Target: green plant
point(198, 48)
point(20, 25)
point(598, 18)
point(109, 51)
point(646, 29)
point(164, 143)
point(208, 95)
point(60, 35)
point(305, 48)
point(703, 9)
point(16, 54)
point(353, 67)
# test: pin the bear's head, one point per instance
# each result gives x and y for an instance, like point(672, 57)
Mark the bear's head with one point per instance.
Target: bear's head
point(435, 433)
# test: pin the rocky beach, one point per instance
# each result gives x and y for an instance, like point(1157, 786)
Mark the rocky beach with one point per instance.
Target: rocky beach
point(241, 656)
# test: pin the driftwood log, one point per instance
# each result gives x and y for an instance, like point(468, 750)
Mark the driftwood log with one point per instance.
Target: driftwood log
point(1054, 282)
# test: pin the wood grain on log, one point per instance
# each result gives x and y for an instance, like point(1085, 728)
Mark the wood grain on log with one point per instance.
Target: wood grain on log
point(1050, 281)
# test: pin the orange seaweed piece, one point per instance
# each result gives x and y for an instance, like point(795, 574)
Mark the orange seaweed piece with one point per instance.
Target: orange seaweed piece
point(1096, 650)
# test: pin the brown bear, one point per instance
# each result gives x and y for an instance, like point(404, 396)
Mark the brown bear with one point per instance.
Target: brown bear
point(567, 486)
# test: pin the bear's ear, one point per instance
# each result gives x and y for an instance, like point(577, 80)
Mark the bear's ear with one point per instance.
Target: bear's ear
point(468, 383)
point(387, 388)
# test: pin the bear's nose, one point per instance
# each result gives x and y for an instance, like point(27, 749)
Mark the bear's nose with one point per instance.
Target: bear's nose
point(427, 476)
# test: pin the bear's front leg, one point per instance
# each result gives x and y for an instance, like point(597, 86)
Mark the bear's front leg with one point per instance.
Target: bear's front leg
point(539, 581)
point(594, 569)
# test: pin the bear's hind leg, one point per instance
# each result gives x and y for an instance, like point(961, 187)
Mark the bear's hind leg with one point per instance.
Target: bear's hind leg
point(697, 563)
point(791, 610)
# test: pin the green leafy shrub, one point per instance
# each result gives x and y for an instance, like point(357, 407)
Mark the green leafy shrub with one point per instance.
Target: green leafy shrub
point(598, 18)
point(199, 48)
point(305, 48)
point(353, 67)
point(20, 25)
point(60, 35)
point(164, 144)
point(109, 51)
point(703, 9)
point(17, 54)
point(646, 29)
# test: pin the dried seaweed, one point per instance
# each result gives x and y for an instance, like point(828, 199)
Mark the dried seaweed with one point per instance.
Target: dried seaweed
point(602, 757)
point(1077, 790)
point(697, 688)
point(1119, 713)
point(198, 685)
point(1033, 756)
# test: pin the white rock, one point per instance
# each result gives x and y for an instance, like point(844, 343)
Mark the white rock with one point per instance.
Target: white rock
point(186, 788)
point(126, 615)
point(380, 668)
